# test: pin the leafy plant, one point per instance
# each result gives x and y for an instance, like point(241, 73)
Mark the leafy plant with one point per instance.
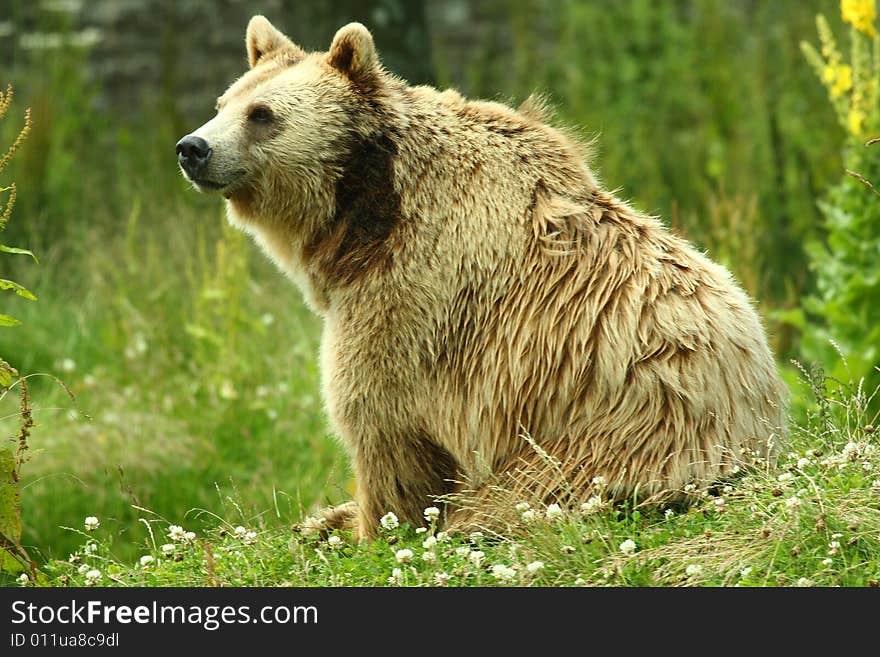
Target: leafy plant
point(844, 314)
point(6, 370)
point(13, 557)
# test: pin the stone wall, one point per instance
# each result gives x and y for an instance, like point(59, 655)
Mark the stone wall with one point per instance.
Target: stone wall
point(178, 55)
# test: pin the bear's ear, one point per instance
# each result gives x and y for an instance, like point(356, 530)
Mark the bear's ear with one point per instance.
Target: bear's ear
point(353, 52)
point(262, 38)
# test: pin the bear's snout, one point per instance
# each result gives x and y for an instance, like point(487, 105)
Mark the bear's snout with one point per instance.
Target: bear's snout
point(193, 154)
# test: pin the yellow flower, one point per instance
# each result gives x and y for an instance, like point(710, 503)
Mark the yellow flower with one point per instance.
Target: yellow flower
point(860, 14)
point(855, 121)
point(828, 74)
point(842, 81)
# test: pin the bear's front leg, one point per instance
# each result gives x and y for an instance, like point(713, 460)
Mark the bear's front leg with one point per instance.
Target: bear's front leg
point(402, 475)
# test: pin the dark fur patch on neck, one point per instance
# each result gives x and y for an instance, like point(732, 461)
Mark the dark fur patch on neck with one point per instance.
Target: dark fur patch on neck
point(356, 241)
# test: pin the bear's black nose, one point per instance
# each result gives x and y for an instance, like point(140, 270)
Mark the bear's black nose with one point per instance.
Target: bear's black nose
point(193, 154)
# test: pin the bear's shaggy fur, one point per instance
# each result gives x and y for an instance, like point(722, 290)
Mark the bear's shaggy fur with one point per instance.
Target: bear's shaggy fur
point(492, 316)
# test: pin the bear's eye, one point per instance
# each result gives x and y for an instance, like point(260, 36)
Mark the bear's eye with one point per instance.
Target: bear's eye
point(260, 114)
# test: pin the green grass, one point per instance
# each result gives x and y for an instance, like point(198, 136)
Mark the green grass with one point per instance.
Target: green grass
point(749, 534)
point(194, 369)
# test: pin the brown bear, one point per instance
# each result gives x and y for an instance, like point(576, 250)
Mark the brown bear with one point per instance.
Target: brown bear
point(493, 318)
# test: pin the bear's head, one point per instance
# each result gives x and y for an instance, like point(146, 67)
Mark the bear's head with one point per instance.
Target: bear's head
point(286, 132)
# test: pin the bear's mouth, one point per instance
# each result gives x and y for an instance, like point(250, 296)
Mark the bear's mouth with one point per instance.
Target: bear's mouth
point(203, 184)
point(227, 187)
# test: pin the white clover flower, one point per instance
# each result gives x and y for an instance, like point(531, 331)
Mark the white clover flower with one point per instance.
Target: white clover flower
point(389, 522)
point(834, 545)
point(429, 542)
point(793, 502)
point(522, 506)
point(432, 513)
point(554, 512)
point(850, 451)
point(227, 390)
point(91, 547)
point(146, 560)
point(396, 576)
point(442, 537)
point(421, 530)
point(189, 536)
point(535, 566)
point(67, 365)
point(785, 476)
point(250, 538)
point(23, 579)
point(803, 581)
point(240, 531)
point(690, 488)
point(334, 541)
point(441, 579)
point(462, 551)
point(727, 490)
point(167, 549)
point(592, 505)
point(836, 535)
point(745, 572)
point(803, 463)
point(83, 569)
point(475, 536)
point(693, 570)
point(403, 556)
point(599, 482)
point(529, 515)
point(580, 581)
point(93, 577)
point(92, 523)
point(476, 557)
point(669, 514)
point(720, 504)
point(176, 533)
point(503, 573)
point(827, 561)
point(429, 556)
point(628, 547)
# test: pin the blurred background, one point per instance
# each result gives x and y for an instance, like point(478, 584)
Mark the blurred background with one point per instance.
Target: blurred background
point(193, 363)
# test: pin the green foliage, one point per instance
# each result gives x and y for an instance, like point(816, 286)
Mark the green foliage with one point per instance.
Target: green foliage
point(13, 556)
point(843, 314)
point(7, 372)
